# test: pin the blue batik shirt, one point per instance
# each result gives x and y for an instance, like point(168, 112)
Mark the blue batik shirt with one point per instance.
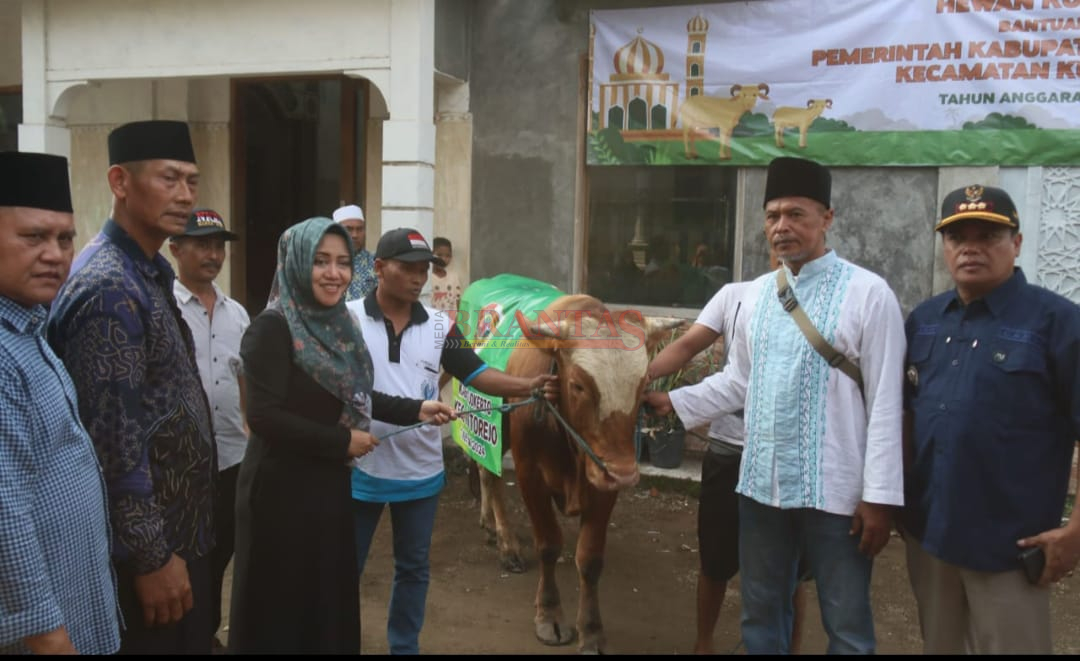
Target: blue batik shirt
point(994, 389)
point(54, 530)
point(116, 326)
point(363, 281)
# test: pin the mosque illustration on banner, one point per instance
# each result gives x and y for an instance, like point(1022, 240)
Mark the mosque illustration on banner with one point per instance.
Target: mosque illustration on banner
point(640, 98)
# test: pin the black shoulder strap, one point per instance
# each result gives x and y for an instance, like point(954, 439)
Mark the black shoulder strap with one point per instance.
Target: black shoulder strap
point(828, 351)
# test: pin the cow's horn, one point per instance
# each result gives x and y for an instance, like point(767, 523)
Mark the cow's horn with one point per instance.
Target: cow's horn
point(656, 326)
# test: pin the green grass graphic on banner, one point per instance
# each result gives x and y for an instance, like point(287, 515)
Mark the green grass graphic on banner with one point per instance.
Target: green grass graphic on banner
point(487, 318)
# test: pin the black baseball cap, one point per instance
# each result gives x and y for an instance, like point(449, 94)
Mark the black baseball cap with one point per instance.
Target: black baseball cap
point(406, 245)
point(204, 222)
point(977, 202)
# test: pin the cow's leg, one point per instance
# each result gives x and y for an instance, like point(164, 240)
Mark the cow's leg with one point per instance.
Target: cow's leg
point(551, 625)
point(779, 136)
point(802, 137)
point(494, 519)
point(590, 564)
point(688, 143)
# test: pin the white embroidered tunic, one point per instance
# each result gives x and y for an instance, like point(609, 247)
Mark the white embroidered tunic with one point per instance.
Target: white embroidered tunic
point(812, 440)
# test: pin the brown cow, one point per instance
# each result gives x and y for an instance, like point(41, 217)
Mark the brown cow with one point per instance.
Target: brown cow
point(600, 389)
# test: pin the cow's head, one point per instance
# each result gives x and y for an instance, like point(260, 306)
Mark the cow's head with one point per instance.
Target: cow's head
point(601, 358)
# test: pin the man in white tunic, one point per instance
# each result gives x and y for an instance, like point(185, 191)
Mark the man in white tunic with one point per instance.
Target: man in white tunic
point(822, 466)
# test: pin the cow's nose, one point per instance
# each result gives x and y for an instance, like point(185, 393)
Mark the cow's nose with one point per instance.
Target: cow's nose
point(622, 476)
point(626, 480)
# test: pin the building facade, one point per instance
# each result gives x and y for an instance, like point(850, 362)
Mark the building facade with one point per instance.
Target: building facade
point(463, 118)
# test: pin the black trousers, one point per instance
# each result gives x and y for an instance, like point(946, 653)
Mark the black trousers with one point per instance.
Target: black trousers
point(224, 535)
point(191, 635)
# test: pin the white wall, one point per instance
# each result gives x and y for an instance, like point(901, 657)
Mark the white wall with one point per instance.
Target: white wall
point(164, 38)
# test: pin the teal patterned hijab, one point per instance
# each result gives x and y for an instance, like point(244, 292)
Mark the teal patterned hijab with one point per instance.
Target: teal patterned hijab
point(327, 344)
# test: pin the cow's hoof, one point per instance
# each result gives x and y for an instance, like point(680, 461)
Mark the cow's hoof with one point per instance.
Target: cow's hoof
point(553, 633)
point(512, 562)
point(591, 647)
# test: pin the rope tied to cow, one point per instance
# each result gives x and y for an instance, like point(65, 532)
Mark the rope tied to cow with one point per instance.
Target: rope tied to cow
point(581, 442)
point(502, 408)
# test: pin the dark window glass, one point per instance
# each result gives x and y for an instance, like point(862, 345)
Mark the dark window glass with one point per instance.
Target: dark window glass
point(661, 236)
point(659, 117)
point(615, 118)
point(638, 115)
point(10, 118)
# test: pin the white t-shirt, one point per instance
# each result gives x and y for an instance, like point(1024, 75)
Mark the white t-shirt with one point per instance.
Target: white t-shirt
point(720, 315)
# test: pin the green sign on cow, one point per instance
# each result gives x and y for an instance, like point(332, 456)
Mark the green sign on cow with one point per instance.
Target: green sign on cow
point(489, 319)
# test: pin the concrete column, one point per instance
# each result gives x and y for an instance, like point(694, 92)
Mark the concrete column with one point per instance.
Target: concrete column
point(453, 171)
point(38, 132)
point(408, 181)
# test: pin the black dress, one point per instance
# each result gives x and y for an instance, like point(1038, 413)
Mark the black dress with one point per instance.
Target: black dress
point(295, 580)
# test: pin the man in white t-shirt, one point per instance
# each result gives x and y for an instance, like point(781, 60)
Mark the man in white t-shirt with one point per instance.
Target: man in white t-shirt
point(217, 324)
point(718, 503)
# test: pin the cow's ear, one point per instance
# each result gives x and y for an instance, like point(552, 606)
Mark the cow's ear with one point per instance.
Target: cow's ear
point(544, 337)
point(660, 330)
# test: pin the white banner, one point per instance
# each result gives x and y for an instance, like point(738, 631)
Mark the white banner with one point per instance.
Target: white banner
point(885, 82)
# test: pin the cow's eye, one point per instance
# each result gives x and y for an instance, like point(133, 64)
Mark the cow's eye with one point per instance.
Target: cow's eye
point(577, 387)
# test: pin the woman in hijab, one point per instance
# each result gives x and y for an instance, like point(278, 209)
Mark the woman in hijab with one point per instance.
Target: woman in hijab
point(309, 405)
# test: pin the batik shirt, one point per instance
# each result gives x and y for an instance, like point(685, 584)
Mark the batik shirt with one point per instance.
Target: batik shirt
point(116, 326)
point(813, 440)
point(363, 280)
point(54, 530)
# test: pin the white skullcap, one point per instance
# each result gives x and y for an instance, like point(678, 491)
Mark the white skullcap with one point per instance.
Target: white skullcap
point(348, 212)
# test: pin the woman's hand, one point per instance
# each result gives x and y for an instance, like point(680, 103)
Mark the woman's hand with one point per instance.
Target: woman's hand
point(361, 442)
point(436, 413)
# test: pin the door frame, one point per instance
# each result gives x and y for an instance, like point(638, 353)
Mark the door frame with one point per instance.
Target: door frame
point(352, 167)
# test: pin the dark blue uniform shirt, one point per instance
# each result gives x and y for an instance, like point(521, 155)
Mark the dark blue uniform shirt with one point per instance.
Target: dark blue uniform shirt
point(993, 387)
